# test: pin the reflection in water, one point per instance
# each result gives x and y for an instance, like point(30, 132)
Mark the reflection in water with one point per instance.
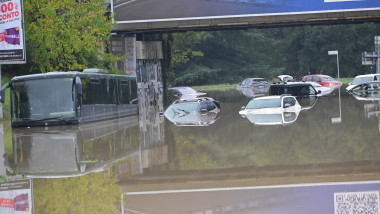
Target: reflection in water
point(72, 150)
point(147, 154)
point(370, 109)
point(193, 112)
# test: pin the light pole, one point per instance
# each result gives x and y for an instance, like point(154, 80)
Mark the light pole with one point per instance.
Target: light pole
point(337, 119)
point(337, 60)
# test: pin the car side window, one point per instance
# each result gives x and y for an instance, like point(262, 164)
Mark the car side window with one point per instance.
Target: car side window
point(316, 79)
point(210, 106)
point(289, 101)
point(309, 79)
point(312, 90)
point(203, 106)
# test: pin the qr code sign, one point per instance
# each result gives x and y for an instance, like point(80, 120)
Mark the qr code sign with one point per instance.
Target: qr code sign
point(357, 202)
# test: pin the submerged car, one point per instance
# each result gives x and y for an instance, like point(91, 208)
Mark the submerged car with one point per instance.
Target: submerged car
point(193, 112)
point(253, 83)
point(362, 79)
point(272, 110)
point(298, 89)
point(366, 91)
point(252, 92)
point(286, 78)
point(185, 92)
point(323, 80)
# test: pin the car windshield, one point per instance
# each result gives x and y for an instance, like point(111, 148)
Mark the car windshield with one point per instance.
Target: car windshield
point(360, 80)
point(181, 109)
point(327, 78)
point(187, 91)
point(43, 99)
point(264, 103)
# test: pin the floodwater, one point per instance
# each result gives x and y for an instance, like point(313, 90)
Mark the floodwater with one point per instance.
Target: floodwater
point(323, 159)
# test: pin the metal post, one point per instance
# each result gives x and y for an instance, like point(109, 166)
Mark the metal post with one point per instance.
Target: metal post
point(122, 203)
point(113, 20)
point(337, 63)
point(377, 51)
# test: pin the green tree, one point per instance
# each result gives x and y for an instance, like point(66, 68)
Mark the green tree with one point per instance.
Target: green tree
point(182, 47)
point(66, 34)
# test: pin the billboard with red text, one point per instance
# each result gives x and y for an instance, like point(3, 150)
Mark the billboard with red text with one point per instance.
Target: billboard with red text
point(12, 45)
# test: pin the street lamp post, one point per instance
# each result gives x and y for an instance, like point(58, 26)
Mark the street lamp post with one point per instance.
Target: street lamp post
point(337, 119)
point(337, 60)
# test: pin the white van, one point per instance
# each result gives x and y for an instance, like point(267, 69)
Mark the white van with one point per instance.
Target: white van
point(362, 79)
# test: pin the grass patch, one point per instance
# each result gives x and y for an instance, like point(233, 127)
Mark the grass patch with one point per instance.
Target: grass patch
point(345, 80)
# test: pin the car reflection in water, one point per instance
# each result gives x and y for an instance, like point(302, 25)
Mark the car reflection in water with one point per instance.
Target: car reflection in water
point(366, 91)
point(193, 112)
point(74, 150)
point(272, 110)
point(369, 91)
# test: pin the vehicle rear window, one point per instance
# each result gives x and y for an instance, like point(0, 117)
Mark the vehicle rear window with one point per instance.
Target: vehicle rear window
point(327, 78)
point(264, 103)
point(360, 80)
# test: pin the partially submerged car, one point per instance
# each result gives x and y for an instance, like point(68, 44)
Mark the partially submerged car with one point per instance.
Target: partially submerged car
point(362, 79)
point(286, 78)
point(252, 92)
point(272, 110)
point(193, 112)
point(298, 89)
point(185, 92)
point(253, 83)
point(323, 80)
point(366, 91)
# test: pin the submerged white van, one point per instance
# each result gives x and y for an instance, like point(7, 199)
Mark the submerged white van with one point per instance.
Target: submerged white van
point(362, 79)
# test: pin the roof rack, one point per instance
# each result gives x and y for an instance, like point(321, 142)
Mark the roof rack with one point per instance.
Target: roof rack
point(90, 70)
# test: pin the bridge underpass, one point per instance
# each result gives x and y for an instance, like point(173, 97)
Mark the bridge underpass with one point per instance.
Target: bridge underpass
point(140, 24)
point(146, 20)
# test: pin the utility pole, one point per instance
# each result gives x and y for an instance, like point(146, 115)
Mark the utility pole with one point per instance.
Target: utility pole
point(373, 58)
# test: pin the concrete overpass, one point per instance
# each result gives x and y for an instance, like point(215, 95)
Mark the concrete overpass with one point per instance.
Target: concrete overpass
point(139, 16)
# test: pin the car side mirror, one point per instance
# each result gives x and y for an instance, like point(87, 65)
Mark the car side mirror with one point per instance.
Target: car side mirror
point(287, 105)
point(319, 91)
point(349, 83)
point(242, 108)
point(79, 93)
point(203, 111)
point(2, 92)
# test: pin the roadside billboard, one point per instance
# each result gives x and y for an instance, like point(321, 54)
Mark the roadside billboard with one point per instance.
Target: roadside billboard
point(12, 42)
point(16, 196)
point(166, 14)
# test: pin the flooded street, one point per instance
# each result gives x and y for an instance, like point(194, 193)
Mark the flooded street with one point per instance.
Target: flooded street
point(215, 163)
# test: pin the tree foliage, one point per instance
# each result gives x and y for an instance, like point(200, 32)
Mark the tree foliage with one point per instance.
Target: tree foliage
point(230, 56)
point(66, 34)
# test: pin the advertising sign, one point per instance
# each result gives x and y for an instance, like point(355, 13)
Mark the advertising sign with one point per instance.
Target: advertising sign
point(12, 42)
point(138, 15)
point(16, 196)
point(187, 9)
point(125, 46)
